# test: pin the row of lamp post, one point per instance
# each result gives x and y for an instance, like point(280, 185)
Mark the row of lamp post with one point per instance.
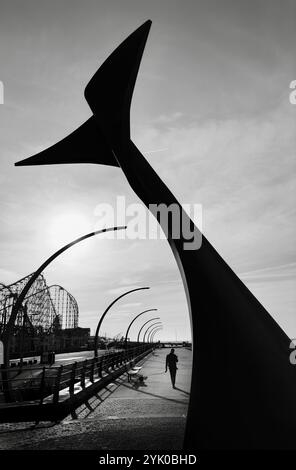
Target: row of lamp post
point(18, 305)
point(155, 326)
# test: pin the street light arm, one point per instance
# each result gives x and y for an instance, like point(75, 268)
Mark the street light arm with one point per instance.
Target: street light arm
point(151, 319)
point(152, 331)
point(145, 311)
point(105, 313)
point(151, 326)
point(20, 299)
point(153, 335)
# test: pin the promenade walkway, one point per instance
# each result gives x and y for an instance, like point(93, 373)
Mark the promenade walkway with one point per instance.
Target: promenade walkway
point(123, 416)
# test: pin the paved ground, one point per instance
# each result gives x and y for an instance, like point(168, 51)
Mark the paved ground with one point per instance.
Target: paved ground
point(122, 416)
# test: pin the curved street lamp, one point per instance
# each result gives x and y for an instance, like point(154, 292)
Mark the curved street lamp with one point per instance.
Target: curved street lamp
point(153, 331)
point(18, 304)
point(154, 342)
point(129, 326)
point(105, 313)
point(153, 334)
point(151, 319)
point(151, 326)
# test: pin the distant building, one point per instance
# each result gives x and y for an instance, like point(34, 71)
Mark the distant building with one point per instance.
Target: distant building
point(68, 340)
point(71, 339)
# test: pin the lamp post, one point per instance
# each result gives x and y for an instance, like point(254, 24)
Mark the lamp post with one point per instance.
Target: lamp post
point(152, 331)
point(151, 326)
point(19, 301)
point(105, 313)
point(129, 326)
point(151, 319)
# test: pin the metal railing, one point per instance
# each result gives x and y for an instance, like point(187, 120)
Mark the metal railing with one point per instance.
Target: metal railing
point(38, 383)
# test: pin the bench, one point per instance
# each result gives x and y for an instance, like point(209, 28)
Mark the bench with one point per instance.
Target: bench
point(132, 370)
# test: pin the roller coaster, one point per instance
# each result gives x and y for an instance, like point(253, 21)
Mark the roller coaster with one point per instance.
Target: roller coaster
point(44, 308)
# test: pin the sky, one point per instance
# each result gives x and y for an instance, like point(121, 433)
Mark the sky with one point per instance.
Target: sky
point(210, 112)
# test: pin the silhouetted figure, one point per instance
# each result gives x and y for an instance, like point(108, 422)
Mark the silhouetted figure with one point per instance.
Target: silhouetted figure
point(171, 363)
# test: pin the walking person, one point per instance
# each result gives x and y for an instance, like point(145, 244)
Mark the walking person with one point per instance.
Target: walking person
point(171, 363)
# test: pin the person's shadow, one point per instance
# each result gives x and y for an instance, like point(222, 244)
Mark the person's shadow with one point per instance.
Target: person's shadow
point(140, 383)
point(181, 390)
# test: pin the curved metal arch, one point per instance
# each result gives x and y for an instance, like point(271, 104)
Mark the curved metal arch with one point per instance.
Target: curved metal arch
point(57, 306)
point(16, 307)
point(66, 306)
point(225, 315)
point(40, 302)
point(153, 334)
point(142, 313)
point(151, 319)
point(5, 286)
point(3, 317)
point(152, 331)
point(105, 313)
point(47, 302)
point(150, 326)
point(76, 318)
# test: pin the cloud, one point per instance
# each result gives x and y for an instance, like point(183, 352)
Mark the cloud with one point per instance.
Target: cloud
point(272, 273)
point(132, 305)
point(210, 112)
point(241, 171)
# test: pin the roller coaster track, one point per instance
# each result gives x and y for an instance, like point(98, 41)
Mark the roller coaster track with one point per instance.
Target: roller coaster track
point(45, 305)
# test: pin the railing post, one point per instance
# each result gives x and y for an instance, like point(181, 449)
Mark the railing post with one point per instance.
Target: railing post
point(57, 385)
point(116, 360)
point(82, 381)
point(72, 379)
point(113, 361)
point(123, 355)
point(121, 358)
point(92, 370)
point(6, 384)
point(42, 386)
point(100, 367)
point(106, 363)
point(103, 360)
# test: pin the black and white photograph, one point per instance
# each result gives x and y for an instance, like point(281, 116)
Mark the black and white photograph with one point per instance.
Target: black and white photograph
point(147, 230)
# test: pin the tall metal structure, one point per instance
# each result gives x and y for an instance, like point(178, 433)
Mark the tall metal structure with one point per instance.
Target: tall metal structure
point(134, 319)
point(154, 333)
point(18, 305)
point(151, 319)
point(44, 305)
point(158, 323)
point(105, 313)
point(243, 386)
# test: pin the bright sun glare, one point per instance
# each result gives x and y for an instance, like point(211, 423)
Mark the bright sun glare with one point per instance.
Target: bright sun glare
point(67, 226)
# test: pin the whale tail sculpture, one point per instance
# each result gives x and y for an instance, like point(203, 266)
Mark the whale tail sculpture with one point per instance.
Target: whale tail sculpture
point(109, 94)
point(243, 386)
